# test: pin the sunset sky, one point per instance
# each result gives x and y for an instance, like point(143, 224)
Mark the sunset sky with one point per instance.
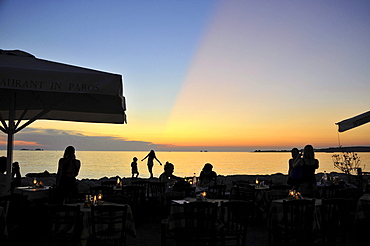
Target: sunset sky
point(203, 74)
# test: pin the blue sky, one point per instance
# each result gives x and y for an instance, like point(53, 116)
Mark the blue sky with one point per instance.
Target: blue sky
point(227, 74)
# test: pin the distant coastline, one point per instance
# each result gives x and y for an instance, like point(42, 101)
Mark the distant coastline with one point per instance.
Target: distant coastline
point(328, 150)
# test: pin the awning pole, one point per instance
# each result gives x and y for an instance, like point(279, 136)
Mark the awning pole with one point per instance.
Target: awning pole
point(10, 141)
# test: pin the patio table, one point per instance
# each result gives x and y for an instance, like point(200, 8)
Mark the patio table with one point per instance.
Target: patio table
point(34, 193)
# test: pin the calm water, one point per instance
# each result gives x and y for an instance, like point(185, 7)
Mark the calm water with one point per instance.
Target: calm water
point(98, 164)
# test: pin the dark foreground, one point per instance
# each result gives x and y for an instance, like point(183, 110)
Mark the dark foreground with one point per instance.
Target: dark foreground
point(34, 233)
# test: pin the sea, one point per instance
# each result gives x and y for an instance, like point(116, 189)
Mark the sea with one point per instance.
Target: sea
point(99, 164)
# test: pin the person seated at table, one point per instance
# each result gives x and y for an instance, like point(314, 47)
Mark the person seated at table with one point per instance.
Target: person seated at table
point(3, 191)
point(68, 169)
point(167, 176)
point(16, 176)
point(207, 176)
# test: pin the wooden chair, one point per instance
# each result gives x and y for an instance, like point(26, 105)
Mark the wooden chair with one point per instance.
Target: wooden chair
point(108, 225)
point(298, 222)
point(280, 187)
point(200, 224)
point(217, 191)
point(235, 217)
point(16, 210)
point(276, 194)
point(246, 193)
point(156, 189)
point(104, 190)
point(65, 224)
point(334, 221)
point(110, 183)
point(143, 183)
point(353, 194)
point(135, 194)
point(136, 200)
point(327, 192)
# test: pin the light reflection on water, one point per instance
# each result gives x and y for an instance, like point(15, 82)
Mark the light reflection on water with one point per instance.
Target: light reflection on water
point(97, 164)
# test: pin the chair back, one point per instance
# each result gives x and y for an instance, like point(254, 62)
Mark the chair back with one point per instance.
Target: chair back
point(65, 224)
point(298, 215)
point(104, 190)
point(334, 221)
point(331, 191)
point(135, 194)
point(246, 193)
point(108, 224)
point(110, 183)
point(275, 195)
point(217, 191)
point(143, 183)
point(235, 217)
point(156, 189)
point(353, 194)
point(200, 223)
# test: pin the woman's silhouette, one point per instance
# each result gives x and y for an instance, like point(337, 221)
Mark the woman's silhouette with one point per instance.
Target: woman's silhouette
point(68, 169)
point(151, 156)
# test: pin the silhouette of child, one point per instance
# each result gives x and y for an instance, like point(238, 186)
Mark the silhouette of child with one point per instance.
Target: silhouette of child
point(134, 167)
point(151, 156)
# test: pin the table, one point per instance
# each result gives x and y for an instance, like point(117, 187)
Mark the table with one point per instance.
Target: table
point(34, 193)
point(363, 207)
point(87, 226)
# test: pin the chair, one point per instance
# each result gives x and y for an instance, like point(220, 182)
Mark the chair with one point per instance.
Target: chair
point(280, 187)
point(108, 225)
point(353, 194)
point(110, 183)
point(246, 193)
point(65, 224)
point(135, 194)
point(331, 191)
point(143, 183)
point(217, 191)
point(136, 200)
point(276, 194)
point(334, 221)
point(104, 190)
point(297, 223)
point(200, 224)
point(156, 189)
point(235, 217)
point(16, 210)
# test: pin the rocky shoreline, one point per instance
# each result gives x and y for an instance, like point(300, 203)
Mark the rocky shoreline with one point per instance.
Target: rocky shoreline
point(84, 185)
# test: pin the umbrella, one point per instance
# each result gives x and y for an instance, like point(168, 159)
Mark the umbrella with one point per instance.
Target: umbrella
point(32, 88)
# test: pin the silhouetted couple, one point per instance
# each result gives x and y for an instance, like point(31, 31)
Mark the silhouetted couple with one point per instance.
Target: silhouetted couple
point(302, 167)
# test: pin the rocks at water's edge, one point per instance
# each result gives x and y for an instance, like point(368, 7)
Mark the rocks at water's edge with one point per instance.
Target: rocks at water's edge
point(84, 185)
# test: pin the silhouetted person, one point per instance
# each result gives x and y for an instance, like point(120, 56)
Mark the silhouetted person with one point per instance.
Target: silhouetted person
point(134, 167)
point(151, 156)
point(207, 177)
point(68, 169)
point(167, 176)
point(3, 190)
point(16, 176)
point(295, 169)
point(309, 165)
